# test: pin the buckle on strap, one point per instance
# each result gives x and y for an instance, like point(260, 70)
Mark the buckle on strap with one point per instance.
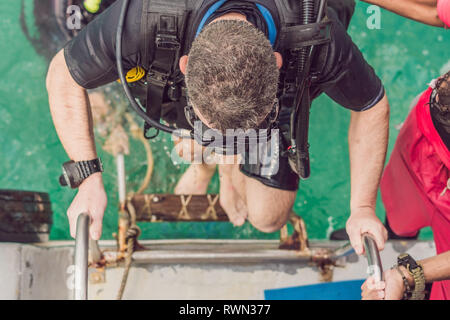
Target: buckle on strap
point(166, 36)
point(167, 42)
point(299, 36)
point(157, 78)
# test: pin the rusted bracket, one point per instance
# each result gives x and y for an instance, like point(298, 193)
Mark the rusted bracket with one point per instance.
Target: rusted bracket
point(299, 239)
point(321, 258)
point(97, 275)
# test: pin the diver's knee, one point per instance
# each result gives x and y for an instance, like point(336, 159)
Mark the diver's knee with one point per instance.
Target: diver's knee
point(268, 221)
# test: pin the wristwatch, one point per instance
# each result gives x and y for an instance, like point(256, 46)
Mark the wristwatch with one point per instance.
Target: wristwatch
point(74, 173)
point(416, 271)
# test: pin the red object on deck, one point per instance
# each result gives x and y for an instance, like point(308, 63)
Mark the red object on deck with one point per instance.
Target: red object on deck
point(414, 180)
point(443, 9)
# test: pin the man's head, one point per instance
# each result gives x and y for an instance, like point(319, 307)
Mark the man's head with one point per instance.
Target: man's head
point(443, 90)
point(232, 75)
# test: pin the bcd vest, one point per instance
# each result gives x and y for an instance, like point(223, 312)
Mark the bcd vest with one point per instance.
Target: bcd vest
point(167, 32)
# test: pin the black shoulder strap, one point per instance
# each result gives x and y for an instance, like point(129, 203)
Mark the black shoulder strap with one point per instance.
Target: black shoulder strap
point(163, 27)
point(298, 39)
point(319, 33)
point(299, 36)
point(164, 20)
point(295, 33)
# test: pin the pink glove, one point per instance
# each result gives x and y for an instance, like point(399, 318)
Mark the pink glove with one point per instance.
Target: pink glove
point(443, 8)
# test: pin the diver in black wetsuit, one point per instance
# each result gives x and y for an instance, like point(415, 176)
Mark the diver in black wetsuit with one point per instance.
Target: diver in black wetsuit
point(150, 39)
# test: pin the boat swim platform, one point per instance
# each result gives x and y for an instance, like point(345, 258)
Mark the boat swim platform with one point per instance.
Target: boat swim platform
point(186, 269)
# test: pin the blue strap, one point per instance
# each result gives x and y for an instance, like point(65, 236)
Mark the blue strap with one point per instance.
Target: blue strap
point(208, 14)
point(264, 11)
point(270, 23)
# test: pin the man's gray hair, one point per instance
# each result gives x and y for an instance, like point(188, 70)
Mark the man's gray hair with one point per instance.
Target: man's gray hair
point(232, 75)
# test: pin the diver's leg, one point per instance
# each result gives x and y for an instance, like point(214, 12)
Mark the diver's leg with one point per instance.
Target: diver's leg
point(266, 203)
point(244, 198)
point(232, 194)
point(269, 208)
point(197, 177)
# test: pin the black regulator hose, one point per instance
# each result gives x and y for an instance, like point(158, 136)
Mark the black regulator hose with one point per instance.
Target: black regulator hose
point(300, 128)
point(307, 18)
point(134, 105)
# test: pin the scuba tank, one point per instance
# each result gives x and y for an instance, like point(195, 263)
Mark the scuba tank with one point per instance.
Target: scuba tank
point(50, 18)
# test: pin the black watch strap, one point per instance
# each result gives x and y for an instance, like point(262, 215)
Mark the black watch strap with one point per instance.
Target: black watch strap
point(86, 168)
point(74, 173)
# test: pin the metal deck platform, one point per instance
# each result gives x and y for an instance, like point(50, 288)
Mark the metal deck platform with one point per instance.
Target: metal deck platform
point(183, 269)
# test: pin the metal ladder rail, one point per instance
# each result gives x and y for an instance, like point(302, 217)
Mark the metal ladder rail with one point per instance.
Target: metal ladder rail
point(375, 266)
point(81, 257)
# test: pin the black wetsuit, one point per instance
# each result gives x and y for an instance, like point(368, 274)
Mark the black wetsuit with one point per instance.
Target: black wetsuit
point(342, 72)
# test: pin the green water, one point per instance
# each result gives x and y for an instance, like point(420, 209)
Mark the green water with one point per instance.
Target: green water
point(405, 54)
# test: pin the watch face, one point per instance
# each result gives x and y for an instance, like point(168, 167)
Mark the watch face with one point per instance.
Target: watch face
point(74, 173)
point(70, 174)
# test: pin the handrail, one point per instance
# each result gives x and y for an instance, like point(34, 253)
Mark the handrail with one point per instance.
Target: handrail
point(81, 257)
point(375, 268)
point(342, 252)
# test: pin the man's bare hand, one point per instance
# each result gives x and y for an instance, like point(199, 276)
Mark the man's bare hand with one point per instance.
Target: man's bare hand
point(372, 290)
point(392, 288)
point(72, 116)
point(363, 220)
point(91, 199)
